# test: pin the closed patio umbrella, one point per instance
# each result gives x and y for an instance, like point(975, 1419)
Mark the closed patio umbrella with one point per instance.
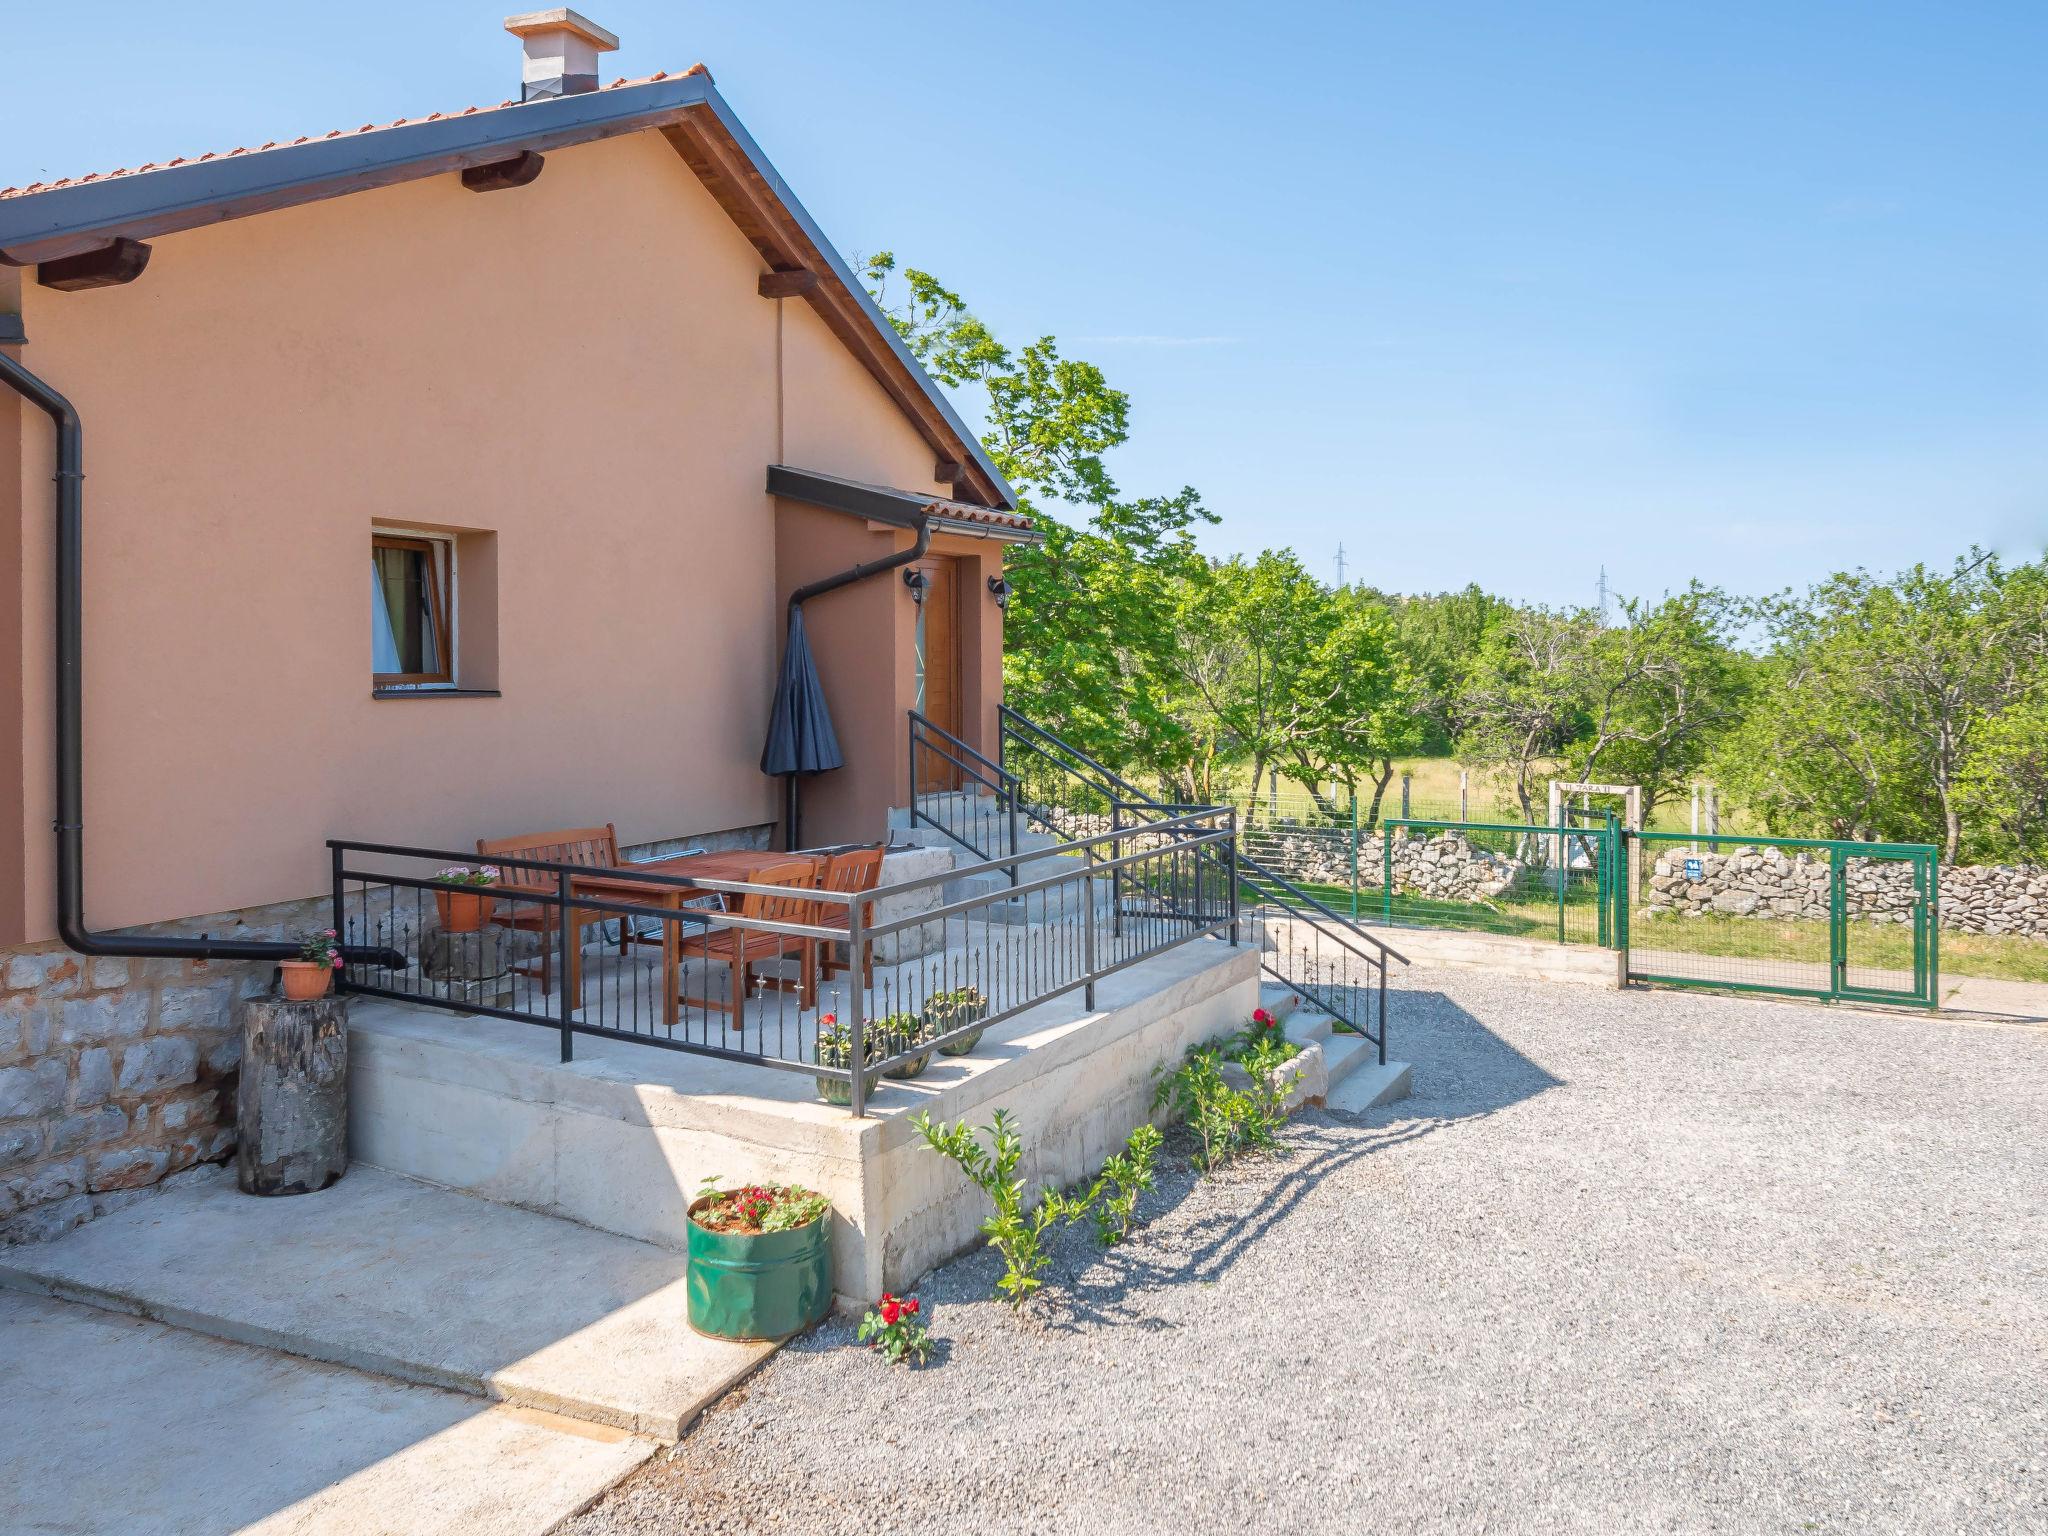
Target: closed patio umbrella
point(800, 734)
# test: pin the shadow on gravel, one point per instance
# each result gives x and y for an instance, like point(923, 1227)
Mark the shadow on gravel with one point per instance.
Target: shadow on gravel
point(1466, 1071)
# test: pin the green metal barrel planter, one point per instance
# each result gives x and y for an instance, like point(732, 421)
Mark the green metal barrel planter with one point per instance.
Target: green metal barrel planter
point(955, 1010)
point(761, 1287)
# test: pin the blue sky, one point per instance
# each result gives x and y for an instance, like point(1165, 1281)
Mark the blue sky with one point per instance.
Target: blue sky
point(1496, 292)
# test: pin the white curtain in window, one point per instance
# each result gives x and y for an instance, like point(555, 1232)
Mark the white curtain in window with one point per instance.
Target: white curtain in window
point(383, 637)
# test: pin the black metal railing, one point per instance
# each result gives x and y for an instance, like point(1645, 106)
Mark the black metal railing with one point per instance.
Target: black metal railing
point(846, 987)
point(1328, 958)
point(959, 792)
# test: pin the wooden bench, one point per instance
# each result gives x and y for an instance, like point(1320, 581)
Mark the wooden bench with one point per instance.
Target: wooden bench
point(588, 847)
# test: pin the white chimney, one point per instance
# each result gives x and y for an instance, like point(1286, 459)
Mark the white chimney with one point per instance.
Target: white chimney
point(561, 52)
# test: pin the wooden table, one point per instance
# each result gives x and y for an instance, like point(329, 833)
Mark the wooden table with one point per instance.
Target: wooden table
point(735, 864)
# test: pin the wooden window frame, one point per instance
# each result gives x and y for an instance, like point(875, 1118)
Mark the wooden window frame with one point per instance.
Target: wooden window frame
point(440, 555)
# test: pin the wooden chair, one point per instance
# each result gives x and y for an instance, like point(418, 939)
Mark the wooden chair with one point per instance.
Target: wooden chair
point(588, 847)
point(852, 872)
point(742, 948)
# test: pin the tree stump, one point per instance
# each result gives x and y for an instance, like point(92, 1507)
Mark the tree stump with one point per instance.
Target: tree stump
point(291, 1107)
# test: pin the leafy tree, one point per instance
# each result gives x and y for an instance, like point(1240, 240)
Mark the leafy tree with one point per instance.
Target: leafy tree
point(1367, 712)
point(2003, 789)
point(1524, 693)
point(1880, 699)
point(1438, 633)
point(1093, 607)
point(1659, 689)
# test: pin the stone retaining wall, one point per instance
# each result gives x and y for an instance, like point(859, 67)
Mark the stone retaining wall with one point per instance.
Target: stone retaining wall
point(115, 1074)
point(1772, 883)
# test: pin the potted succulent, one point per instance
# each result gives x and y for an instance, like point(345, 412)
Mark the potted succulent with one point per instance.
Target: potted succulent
point(307, 978)
point(760, 1260)
point(955, 1009)
point(465, 908)
point(835, 1049)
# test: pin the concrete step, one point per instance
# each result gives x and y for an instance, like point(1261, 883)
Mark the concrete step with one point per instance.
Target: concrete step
point(1308, 1026)
point(981, 823)
point(1279, 999)
point(412, 1281)
point(1346, 1053)
point(1370, 1086)
point(113, 1423)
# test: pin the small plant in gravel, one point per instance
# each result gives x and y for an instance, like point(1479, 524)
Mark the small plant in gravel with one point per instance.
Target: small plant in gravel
point(1018, 1235)
point(893, 1326)
point(1262, 1060)
point(753, 1209)
point(1129, 1174)
point(1227, 1120)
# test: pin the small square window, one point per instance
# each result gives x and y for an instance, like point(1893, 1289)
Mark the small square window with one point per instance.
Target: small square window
point(410, 637)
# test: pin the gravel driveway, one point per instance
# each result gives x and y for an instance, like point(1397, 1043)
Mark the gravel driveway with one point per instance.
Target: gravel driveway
point(1627, 1262)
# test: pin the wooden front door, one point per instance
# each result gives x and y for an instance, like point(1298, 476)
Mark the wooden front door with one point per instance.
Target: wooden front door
point(938, 662)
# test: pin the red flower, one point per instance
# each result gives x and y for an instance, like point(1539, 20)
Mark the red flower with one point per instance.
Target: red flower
point(1260, 1016)
point(911, 1306)
point(891, 1312)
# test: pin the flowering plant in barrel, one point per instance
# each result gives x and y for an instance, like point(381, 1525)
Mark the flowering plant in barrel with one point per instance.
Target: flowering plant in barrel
point(760, 1260)
point(894, 1325)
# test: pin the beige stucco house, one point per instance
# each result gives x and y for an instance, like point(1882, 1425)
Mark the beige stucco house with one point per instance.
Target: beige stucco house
point(587, 391)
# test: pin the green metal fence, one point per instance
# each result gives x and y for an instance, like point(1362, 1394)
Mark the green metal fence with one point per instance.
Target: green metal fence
point(1551, 883)
point(1808, 917)
point(1554, 883)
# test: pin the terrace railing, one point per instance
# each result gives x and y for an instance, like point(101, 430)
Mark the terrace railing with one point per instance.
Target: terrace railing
point(1023, 943)
point(1321, 954)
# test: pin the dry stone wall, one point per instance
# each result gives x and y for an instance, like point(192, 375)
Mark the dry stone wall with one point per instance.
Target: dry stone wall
point(1770, 883)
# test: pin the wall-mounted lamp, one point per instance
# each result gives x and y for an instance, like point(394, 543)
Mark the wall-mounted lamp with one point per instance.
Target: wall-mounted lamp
point(917, 581)
point(999, 589)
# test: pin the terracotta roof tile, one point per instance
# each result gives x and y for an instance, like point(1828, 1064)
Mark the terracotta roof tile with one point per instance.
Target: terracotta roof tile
point(334, 133)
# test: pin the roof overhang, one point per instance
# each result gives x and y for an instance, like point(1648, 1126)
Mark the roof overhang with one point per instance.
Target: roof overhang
point(901, 509)
point(686, 109)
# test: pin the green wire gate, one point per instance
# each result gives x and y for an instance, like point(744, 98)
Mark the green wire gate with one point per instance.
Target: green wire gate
point(1803, 917)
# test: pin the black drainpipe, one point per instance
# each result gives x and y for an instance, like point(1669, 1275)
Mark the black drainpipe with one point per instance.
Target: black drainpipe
point(70, 694)
point(846, 578)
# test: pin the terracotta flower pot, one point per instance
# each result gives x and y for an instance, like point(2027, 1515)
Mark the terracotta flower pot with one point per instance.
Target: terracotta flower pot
point(463, 911)
point(305, 981)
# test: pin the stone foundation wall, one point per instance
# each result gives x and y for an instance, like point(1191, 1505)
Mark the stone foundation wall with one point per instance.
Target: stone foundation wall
point(116, 1074)
point(1770, 883)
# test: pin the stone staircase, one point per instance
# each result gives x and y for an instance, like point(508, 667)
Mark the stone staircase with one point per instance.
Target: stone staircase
point(977, 814)
point(1357, 1081)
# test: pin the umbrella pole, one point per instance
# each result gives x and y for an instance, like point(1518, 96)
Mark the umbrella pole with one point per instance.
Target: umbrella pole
point(789, 830)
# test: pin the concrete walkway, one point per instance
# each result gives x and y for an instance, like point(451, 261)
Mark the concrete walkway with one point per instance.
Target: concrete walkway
point(115, 1425)
point(413, 1282)
point(2004, 1002)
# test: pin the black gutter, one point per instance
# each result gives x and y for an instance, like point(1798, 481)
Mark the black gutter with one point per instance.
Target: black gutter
point(919, 524)
point(70, 711)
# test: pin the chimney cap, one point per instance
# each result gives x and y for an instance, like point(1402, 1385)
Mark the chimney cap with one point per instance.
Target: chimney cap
point(562, 19)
